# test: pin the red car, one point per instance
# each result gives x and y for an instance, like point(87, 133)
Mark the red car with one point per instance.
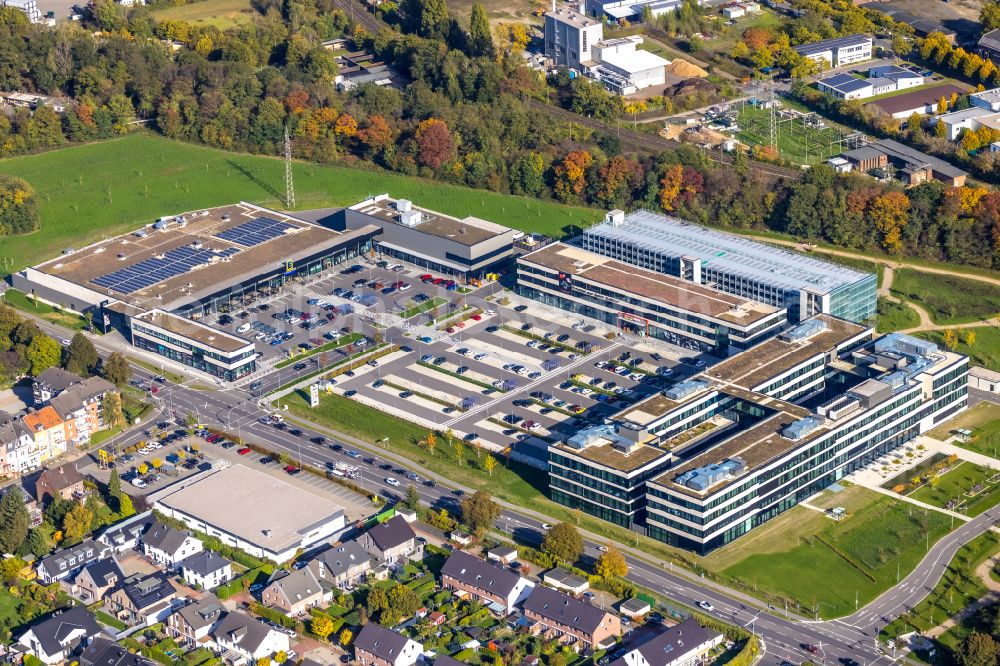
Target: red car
point(425, 277)
point(437, 280)
point(244, 451)
point(291, 469)
point(477, 317)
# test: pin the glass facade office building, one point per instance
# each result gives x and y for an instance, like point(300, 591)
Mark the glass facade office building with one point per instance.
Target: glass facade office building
point(801, 284)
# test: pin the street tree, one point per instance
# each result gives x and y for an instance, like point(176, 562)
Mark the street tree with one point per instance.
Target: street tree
point(116, 369)
point(42, 353)
point(111, 409)
point(490, 464)
point(81, 357)
point(563, 542)
point(479, 511)
point(412, 500)
point(611, 564)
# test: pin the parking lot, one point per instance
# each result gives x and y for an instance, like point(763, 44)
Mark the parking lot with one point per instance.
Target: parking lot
point(320, 313)
point(520, 373)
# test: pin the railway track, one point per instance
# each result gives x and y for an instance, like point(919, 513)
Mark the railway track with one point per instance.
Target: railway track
point(359, 14)
point(655, 142)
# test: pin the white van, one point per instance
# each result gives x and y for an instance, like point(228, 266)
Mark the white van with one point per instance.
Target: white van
point(243, 328)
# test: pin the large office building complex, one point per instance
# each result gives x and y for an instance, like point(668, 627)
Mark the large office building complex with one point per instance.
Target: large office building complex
point(802, 285)
point(720, 453)
point(645, 302)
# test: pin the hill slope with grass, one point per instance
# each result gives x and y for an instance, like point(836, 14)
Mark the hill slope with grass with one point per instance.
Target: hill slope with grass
point(97, 190)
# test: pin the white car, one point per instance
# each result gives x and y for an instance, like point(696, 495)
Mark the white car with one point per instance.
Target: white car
point(139, 483)
point(489, 313)
point(480, 356)
point(405, 286)
point(603, 549)
point(391, 481)
point(546, 527)
point(704, 605)
point(65, 342)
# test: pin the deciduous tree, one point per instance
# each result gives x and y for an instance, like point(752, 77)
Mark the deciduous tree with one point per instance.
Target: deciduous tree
point(81, 357)
point(435, 145)
point(42, 353)
point(116, 369)
point(611, 564)
point(479, 511)
point(563, 542)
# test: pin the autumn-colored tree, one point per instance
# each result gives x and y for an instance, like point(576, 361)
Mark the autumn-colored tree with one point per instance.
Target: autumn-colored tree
point(434, 143)
point(950, 339)
point(143, 469)
point(942, 105)
point(757, 38)
point(968, 337)
point(346, 636)
point(377, 135)
point(346, 126)
point(611, 564)
point(571, 174)
point(431, 441)
point(297, 101)
point(617, 178)
point(670, 186)
point(321, 625)
point(459, 452)
point(889, 213)
point(490, 464)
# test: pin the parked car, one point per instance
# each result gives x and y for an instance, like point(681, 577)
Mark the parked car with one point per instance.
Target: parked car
point(246, 450)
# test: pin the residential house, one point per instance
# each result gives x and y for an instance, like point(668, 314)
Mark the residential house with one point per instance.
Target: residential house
point(127, 534)
point(167, 546)
point(377, 646)
point(18, 451)
point(52, 382)
point(97, 579)
point(206, 570)
point(70, 561)
point(470, 576)
point(102, 652)
point(576, 623)
point(63, 482)
point(142, 598)
point(294, 592)
point(49, 432)
point(243, 639)
point(393, 542)
point(567, 581)
point(680, 645)
point(342, 566)
point(57, 636)
point(502, 554)
point(191, 624)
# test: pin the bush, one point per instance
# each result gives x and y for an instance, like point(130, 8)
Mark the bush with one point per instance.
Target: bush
point(272, 614)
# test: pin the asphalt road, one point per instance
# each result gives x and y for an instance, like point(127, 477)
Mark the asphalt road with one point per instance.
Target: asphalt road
point(783, 636)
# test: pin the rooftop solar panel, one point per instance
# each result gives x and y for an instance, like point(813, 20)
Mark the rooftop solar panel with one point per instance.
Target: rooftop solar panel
point(157, 269)
point(255, 232)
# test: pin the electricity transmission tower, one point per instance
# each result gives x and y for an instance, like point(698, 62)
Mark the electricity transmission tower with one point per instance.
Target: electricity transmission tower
point(289, 186)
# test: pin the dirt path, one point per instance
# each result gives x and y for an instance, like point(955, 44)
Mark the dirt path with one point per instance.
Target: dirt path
point(884, 291)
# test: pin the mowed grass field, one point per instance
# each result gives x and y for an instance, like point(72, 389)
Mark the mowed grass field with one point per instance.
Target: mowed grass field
point(786, 559)
point(90, 192)
point(984, 422)
point(219, 13)
point(893, 316)
point(985, 351)
point(948, 299)
point(954, 486)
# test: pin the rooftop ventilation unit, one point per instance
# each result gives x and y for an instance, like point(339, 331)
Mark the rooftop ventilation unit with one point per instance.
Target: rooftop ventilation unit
point(410, 218)
point(906, 344)
point(802, 428)
point(404, 205)
point(685, 388)
point(703, 478)
point(197, 245)
point(615, 217)
point(805, 330)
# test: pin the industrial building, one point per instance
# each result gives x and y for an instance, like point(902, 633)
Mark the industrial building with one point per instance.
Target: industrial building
point(285, 519)
point(706, 461)
point(576, 41)
point(644, 302)
point(881, 80)
point(734, 265)
point(908, 164)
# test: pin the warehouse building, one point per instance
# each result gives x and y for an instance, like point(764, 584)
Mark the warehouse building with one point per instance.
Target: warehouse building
point(643, 302)
point(285, 519)
point(799, 284)
point(756, 434)
point(467, 247)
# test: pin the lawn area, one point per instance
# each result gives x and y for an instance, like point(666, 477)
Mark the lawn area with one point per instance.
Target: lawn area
point(958, 587)
point(24, 303)
point(724, 43)
point(114, 622)
point(219, 13)
point(893, 316)
point(8, 607)
point(953, 486)
point(172, 377)
point(816, 563)
point(984, 422)
point(333, 344)
point(102, 436)
point(985, 351)
point(948, 299)
point(89, 192)
point(426, 306)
